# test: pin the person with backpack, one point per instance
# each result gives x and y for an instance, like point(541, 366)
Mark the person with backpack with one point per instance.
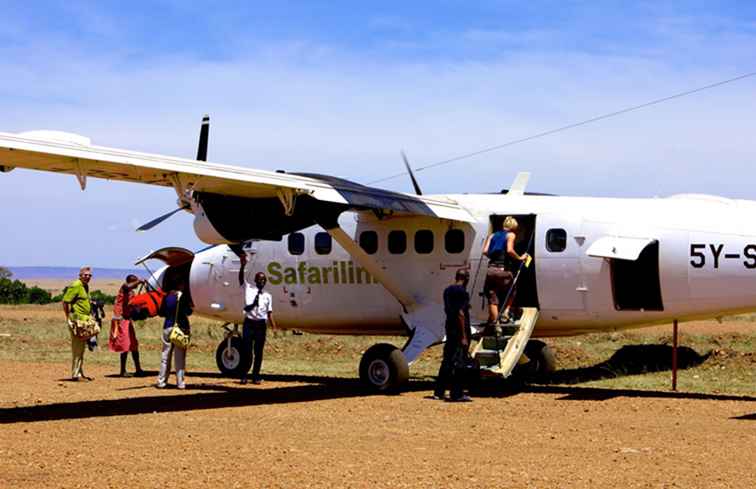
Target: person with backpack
point(502, 256)
point(122, 334)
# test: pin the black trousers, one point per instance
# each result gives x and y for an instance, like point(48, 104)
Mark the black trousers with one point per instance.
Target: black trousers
point(253, 339)
point(446, 378)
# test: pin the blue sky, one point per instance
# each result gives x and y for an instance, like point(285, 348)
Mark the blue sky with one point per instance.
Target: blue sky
point(342, 87)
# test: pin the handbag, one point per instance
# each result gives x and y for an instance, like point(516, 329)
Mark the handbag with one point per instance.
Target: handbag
point(464, 367)
point(84, 328)
point(177, 337)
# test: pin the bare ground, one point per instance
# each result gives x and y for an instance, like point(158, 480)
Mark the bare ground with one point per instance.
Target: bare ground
point(308, 431)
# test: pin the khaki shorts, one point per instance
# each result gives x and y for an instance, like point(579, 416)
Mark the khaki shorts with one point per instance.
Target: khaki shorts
point(496, 286)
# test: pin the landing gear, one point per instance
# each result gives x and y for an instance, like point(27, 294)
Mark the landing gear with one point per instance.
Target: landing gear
point(229, 355)
point(541, 359)
point(383, 368)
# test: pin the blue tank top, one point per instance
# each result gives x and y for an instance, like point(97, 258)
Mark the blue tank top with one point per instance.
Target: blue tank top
point(497, 248)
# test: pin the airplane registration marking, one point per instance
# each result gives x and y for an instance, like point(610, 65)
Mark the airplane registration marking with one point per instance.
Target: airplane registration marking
point(699, 252)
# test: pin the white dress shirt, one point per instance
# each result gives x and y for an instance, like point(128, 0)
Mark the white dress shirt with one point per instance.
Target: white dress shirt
point(264, 303)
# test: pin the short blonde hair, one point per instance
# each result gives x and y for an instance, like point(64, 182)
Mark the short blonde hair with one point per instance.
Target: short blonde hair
point(510, 223)
point(85, 269)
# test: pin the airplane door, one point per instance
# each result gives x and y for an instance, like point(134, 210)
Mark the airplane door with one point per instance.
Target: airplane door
point(559, 246)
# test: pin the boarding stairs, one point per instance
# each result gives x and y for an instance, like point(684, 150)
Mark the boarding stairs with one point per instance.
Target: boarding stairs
point(500, 347)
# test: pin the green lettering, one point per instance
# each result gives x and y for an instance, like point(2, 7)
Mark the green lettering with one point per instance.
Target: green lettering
point(274, 273)
point(360, 272)
point(301, 271)
point(325, 271)
point(290, 276)
point(313, 276)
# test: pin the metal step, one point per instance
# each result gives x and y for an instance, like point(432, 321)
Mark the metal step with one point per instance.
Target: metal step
point(500, 353)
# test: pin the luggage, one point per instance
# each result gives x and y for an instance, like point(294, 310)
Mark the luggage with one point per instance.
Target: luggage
point(84, 328)
point(145, 303)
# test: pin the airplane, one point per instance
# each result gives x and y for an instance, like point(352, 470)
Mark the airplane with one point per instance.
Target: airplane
point(345, 258)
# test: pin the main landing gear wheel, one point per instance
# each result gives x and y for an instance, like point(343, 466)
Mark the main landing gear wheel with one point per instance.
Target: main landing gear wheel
point(383, 368)
point(541, 359)
point(229, 357)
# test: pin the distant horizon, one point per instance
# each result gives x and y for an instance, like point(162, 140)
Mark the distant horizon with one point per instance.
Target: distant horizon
point(60, 272)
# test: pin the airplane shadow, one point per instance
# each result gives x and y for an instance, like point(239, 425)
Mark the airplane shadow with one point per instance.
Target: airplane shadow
point(629, 360)
point(748, 417)
point(574, 393)
point(220, 396)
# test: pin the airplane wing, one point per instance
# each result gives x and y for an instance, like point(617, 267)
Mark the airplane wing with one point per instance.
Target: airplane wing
point(75, 155)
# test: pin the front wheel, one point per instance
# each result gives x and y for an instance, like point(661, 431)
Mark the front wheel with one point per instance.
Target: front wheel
point(230, 358)
point(383, 368)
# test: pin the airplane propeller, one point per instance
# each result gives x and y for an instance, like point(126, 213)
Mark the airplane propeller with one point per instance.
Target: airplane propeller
point(411, 174)
point(201, 156)
point(158, 220)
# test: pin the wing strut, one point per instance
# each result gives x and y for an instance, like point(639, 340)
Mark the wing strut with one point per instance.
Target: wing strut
point(425, 321)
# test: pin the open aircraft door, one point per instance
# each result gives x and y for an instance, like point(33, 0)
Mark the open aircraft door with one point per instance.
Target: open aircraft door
point(559, 246)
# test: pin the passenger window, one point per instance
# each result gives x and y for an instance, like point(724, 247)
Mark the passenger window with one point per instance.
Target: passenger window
point(323, 243)
point(369, 242)
point(556, 240)
point(454, 241)
point(397, 242)
point(424, 241)
point(296, 243)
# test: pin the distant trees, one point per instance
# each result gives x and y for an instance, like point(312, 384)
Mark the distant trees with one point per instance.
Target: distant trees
point(17, 292)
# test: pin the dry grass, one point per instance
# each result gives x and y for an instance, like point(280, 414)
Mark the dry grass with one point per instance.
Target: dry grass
point(38, 333)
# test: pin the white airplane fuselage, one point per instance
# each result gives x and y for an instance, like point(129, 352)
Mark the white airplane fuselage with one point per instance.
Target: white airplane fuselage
point(701, 262)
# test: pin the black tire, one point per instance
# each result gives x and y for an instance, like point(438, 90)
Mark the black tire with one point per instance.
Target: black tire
point(541, 359)
point(383, 368)
point(233, 362)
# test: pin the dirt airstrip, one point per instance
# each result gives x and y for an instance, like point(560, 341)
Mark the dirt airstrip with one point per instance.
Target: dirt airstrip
point(307, 431)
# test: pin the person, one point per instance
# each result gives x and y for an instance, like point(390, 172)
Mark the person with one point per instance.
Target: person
point(500, 250)
point(258, 311)
point(457, 309)
point(77, 307)
point(122, 334)
point(98, 314)
point(176, 308)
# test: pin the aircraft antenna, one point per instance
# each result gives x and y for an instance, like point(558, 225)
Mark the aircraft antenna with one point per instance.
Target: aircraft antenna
point(569, 126)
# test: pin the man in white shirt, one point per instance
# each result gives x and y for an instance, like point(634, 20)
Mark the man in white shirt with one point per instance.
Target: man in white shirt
point(258, 310)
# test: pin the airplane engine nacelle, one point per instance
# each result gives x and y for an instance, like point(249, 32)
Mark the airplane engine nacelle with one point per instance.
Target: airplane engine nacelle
point(204, 229)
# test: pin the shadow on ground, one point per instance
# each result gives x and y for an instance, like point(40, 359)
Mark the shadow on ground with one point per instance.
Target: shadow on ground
point(629, 360)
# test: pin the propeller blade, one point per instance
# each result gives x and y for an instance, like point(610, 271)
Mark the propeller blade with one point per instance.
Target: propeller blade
point(411, 174)
point(204, 134)
point(156, 221)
